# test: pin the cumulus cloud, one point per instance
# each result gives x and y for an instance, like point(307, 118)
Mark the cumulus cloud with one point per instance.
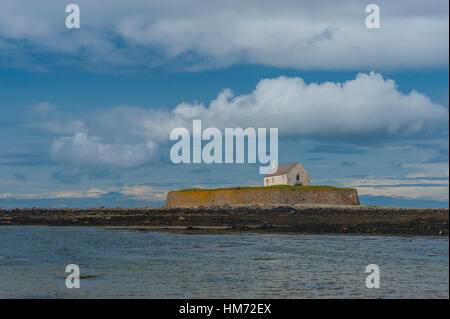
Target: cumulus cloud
point(84, 149)
point(365, 109)
point(207, 34)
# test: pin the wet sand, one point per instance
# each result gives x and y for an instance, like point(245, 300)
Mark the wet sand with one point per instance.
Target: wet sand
point(305, 219)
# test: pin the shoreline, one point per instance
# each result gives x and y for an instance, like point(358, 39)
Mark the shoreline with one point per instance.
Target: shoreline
point(271, 219)
point(204, 230)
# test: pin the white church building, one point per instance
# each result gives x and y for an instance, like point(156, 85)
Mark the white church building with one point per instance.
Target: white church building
point(288, 174)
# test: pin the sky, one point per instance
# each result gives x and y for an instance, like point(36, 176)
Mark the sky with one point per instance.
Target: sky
point(86, 114)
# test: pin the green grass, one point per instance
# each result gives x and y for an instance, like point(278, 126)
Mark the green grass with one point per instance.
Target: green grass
point(314, 187)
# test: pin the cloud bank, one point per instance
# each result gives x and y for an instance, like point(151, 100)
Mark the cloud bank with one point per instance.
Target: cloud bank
point(136, 192)
point(418, 188)
point(201, 34)
point(364, 110)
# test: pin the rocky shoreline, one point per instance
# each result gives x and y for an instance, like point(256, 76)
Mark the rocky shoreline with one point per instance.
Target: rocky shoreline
point(263, 195)
point(306, 219)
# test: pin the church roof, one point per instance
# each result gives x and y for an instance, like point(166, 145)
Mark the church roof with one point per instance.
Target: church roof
point(282, 169)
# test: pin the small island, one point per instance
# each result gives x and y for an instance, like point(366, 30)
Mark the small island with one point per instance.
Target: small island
point(287, 203)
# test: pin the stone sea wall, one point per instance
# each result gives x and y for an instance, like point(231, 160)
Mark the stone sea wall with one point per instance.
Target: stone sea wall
point(299, 218)
point(260, 196)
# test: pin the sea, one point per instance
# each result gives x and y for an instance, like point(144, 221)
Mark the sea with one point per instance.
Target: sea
point(127, 263)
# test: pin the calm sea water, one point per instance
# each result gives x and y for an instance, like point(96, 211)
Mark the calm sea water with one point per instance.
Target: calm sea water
point(163, 265)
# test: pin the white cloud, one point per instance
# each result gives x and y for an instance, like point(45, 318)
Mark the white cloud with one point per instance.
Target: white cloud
point(90, 193)
point(409, 187)
point(438, 193)
point(207, 34)
point(139, 192)
point(380, 181)
point(144, 192)
point(295, 39)
point(85, 149)
point(364, 109)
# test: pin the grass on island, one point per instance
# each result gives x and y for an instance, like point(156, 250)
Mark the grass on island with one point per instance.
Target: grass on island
point(313, 187)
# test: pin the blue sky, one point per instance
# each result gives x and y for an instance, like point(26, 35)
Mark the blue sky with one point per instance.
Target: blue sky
point(86, 113)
